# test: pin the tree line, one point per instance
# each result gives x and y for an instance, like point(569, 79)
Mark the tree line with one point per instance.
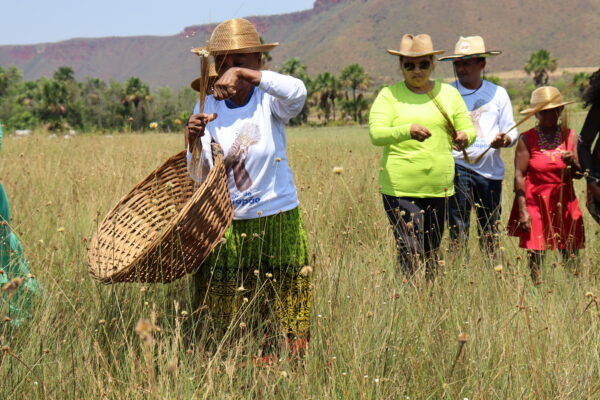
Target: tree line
point(61, 102)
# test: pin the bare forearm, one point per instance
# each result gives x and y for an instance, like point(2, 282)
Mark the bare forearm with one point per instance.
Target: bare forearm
point(520, 191)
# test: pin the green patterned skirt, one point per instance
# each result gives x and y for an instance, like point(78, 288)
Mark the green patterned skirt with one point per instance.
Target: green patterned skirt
point(259, 277)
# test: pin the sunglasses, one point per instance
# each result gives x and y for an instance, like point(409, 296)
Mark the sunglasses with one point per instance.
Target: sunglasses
point(410, 66)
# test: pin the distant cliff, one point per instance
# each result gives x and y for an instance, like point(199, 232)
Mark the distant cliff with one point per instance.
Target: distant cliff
point(335, 33)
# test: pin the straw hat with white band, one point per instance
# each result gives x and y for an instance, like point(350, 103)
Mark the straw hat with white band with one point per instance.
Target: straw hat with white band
point(470, 47)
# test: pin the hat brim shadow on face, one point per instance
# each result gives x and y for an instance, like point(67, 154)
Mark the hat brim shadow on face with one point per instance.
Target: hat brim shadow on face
point(548, 107)
point(455, 57)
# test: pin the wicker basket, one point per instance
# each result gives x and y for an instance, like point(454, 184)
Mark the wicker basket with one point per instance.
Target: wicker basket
point(162, 229)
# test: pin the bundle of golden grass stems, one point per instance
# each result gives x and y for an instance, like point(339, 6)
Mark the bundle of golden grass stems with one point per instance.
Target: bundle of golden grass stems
point(449, 123)
point(196, 147)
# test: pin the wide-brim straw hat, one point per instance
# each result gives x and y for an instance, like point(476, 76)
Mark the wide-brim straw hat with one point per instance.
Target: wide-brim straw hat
point(415, 46)
point(470, 47)
point(548, 97)
point(236, 35)
point(212, 75)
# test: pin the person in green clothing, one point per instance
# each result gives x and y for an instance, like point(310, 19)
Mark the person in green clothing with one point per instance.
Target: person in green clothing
point(16, 282)
point(417, 168)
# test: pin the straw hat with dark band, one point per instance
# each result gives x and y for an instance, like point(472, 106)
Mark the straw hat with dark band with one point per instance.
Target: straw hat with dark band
point(470, 47)
point(415, 46)
point(235, 36)
point(545, 94)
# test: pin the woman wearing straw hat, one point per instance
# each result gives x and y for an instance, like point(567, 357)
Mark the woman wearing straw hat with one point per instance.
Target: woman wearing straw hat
point(263, 262)
point(590, 160)
point(480, 170)
point(417, 122)
point(546, 213)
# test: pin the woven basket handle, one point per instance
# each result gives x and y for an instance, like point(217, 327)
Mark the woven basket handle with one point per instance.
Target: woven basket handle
point(216, 150)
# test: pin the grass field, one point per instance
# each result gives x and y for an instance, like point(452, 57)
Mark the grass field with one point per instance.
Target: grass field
point(373, 336)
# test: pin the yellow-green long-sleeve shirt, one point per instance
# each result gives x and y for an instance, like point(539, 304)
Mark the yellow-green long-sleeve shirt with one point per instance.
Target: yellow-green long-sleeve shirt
point(410, 168)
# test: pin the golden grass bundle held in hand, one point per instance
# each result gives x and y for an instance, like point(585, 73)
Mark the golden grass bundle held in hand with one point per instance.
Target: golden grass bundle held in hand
point(449, 123)
point(196, 147)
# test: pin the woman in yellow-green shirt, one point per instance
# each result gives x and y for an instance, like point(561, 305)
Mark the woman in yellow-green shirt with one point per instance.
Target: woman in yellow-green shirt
point(417, 167)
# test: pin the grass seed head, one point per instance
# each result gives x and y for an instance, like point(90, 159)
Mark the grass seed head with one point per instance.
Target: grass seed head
point(172, 366)
point(306, 270)
point(12, 285)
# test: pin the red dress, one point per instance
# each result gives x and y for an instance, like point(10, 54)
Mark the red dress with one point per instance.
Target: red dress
point(556, 220)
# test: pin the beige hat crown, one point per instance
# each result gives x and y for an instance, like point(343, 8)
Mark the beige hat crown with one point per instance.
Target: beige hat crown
point(236, 35)
point(470, 46)
point(415, 46)
point(547, 97)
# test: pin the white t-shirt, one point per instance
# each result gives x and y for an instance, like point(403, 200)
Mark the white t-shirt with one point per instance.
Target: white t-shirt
point(491, 112)
point(261, 182)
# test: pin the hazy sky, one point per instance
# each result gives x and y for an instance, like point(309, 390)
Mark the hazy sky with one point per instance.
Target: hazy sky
point(37, 21)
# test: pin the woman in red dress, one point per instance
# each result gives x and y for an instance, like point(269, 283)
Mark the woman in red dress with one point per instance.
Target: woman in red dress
point(546, 213)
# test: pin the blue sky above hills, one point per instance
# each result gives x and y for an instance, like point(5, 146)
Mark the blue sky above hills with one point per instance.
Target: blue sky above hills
point(37, 21)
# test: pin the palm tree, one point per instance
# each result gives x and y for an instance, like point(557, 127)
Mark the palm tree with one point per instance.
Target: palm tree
point(327, 87)
point(64, 74)
point(540, 63)
point(136, 93)
point(294, 67)
point(355, 78)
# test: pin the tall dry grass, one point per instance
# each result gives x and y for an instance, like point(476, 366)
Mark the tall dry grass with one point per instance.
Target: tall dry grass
point(373, 336)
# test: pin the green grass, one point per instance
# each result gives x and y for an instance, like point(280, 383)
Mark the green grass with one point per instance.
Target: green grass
point(373, 336)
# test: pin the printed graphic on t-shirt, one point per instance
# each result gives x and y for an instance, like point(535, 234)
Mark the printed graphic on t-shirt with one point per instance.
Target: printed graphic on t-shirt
point(246, 136)
point(478, 109)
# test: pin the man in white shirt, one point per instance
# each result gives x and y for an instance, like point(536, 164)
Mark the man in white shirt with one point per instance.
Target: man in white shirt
point(478, 176)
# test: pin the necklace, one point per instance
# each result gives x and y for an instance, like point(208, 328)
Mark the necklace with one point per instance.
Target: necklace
point(550, 144)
